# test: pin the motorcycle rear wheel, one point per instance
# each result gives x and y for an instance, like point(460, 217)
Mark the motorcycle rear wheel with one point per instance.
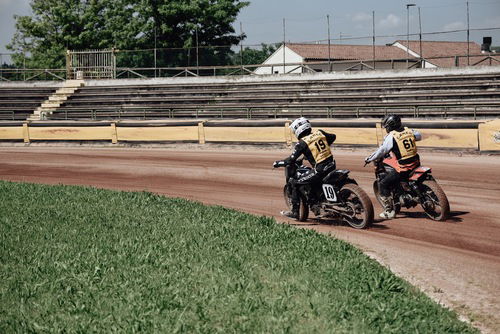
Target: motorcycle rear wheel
point(436, 206)
point(361, 215)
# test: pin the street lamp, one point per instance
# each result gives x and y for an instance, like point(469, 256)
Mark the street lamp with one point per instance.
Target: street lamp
point(408, 5)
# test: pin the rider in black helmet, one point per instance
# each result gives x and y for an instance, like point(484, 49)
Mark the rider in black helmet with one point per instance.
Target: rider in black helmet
point(400, 144)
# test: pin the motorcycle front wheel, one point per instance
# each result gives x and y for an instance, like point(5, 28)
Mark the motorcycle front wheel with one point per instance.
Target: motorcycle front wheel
point(303, 208)
point(436, 205)
point(397, 204)
point(359, 213)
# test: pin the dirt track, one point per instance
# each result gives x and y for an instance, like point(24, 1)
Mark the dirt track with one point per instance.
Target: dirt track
point(456, 262)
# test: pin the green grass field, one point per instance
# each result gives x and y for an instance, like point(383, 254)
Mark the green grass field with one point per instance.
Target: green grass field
point(77, 259)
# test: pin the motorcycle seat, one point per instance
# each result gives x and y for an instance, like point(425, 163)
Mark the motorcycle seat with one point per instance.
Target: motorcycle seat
point(335, 176)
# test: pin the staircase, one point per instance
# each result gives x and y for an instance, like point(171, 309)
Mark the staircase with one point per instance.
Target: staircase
point(55, 100)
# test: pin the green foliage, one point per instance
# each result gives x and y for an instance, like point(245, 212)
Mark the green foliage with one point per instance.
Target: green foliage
point(253, 56)
point(58, 25)
point(76, 259)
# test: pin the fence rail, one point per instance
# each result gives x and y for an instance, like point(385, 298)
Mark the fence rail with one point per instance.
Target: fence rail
point(109, 69)
point(329, 112)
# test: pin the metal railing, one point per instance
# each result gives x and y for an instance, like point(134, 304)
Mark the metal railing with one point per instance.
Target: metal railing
point(23, 74)
point(414, 111)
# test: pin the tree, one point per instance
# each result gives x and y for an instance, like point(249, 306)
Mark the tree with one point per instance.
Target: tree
point(58, 25)
point(255, 56)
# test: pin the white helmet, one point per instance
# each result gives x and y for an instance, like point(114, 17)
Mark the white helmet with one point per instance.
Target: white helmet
point(300, 125)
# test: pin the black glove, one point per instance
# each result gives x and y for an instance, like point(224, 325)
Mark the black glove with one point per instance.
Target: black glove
point(367, 159)
point(278, 163)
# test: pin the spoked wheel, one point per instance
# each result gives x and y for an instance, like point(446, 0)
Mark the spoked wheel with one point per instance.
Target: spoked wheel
point(397, 205)
point(436, 204)
point(359, 210)
point(303, 208)
point(288, 197)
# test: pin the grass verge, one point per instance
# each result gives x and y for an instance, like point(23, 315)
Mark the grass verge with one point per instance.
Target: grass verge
point(76, 259)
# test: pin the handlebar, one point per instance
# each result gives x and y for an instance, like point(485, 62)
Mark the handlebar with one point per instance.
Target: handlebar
point(279, 163)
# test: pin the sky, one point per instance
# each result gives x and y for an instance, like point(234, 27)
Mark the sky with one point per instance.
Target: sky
point(306, 21)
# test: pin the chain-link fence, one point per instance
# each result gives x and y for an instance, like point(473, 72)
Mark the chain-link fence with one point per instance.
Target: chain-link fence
point(340, 53)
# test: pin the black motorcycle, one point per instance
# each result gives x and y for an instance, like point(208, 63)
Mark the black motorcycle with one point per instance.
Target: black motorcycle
point(419, 187)
point(336, 197)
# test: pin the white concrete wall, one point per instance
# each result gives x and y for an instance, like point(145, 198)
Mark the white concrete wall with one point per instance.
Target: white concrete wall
point(20, 84)
point(266, 78)
point(299, 76)
point(426, 64)
point(277, 59)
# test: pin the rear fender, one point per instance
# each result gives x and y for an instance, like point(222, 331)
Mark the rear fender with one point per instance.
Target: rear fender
point(419, 173)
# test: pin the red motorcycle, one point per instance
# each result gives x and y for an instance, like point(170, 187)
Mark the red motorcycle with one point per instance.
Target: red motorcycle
point(419, 187)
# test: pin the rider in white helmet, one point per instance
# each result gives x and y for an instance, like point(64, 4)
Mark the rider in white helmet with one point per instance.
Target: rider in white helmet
point(315, 146)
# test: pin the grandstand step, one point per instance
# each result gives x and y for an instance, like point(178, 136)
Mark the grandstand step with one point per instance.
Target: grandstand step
point(50, 105)
point(58, 98)
point(66, 90)
point(74, 83)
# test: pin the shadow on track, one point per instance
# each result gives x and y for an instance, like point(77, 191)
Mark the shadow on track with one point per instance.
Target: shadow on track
point(454, 216)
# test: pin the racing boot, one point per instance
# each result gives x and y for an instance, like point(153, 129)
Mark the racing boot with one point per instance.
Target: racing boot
point(389, 211)
point(294, 213)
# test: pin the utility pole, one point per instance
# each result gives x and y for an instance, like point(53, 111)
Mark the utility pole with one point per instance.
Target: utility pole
point(329, 55)
point(197, 53)
point(241, 46)
point(155, 50)
point(468, 35)
point(408, 32)
point(373, 42)
point(284, 45)
point(420, 35)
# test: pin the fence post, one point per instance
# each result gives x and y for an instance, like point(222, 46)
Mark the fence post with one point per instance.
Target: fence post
point(26, 133)
point(288, 135)
point(114, 135)
point(379, 133)
point(201, 133)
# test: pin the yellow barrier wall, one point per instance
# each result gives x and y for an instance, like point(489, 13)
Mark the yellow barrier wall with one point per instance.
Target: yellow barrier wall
point(485, 138)
point(245, 134)
point(158, 133)
point(354, 136)
point(450, 138)
point(70, 133)
point(11, 132)
point(489, 136)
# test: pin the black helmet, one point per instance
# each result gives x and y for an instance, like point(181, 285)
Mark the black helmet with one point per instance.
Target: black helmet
point(391, 122)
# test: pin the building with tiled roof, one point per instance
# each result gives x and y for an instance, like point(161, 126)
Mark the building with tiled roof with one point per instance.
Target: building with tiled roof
point(447, 54)
point(301, 57)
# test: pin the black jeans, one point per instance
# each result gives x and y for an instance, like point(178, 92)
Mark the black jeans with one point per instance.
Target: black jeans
point(388, 181)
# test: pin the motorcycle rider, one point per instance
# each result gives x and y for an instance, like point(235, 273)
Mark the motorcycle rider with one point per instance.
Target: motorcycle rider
point(399, 143)
point(315, 146)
